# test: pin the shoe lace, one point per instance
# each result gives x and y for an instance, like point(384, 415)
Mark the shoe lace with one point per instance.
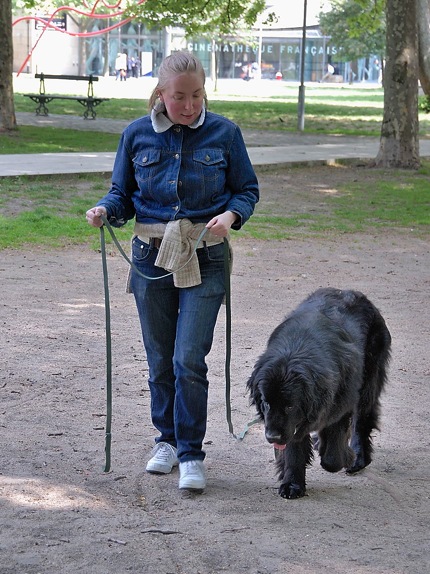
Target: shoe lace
point(191, 466)
point(164, 452)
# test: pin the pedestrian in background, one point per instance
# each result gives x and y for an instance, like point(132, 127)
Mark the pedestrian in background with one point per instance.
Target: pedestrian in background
point(121, 67)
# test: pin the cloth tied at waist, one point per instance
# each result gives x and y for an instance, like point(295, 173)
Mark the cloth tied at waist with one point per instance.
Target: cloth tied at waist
point(177, 250)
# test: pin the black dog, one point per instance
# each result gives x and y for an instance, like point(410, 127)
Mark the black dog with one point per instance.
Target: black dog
point(322, 372)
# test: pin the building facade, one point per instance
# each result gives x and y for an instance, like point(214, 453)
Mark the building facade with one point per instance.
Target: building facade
point(268, 53)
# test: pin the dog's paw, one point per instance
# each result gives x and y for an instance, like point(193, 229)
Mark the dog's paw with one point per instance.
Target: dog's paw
point(292, 490)
point(335, 461)
point(358, 465)
point(361, 460)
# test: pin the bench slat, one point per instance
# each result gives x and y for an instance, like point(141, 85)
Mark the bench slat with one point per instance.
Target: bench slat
point(42, 76)
point(59, 97)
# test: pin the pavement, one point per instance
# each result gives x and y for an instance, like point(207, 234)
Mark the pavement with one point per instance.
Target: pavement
point(265, 148)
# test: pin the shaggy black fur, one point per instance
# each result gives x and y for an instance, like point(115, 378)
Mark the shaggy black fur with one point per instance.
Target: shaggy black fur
point(323, 372)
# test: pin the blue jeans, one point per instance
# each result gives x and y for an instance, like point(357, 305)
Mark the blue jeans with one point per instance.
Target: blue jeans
point(177, 328)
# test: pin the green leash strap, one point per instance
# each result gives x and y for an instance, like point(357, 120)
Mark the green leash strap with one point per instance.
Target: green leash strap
point(227, 334)
point(228, 330)
point(108, 434)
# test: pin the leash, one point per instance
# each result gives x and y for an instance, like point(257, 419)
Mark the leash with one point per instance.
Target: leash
point(227, 335)
point(228, 347)
point(108, 434)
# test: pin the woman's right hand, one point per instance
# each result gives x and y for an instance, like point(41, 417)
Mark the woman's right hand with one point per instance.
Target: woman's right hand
point(94, 214)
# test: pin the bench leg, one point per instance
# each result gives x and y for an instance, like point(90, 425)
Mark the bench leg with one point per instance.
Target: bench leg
point(90, 111)
point(41, 101)
point(42, 110)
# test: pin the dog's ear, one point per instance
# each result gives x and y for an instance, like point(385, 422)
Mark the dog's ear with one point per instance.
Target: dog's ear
point(311, 402)
point(252, 383)
point(254, 389)
point(302, 390)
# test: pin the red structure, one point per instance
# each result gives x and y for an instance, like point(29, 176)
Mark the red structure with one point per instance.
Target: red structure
point(114, 12)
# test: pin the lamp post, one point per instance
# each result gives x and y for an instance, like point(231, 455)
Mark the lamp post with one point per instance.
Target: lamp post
point(301, 106)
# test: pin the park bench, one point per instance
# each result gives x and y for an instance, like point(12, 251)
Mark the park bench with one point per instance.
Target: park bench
point(90, 102)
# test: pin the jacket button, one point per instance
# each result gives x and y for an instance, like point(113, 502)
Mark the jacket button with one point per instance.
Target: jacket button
point(145, 159)
point(176, 156)
point(207, 158)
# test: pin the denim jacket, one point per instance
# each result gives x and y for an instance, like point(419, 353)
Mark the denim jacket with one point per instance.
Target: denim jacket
point(181, 173)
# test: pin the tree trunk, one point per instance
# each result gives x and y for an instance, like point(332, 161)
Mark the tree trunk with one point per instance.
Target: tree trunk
point(399, 145)
point(7, 107)
point(423, 18)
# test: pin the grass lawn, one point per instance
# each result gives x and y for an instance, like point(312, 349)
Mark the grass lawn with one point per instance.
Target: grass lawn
point(50, 210)
point(340, 111)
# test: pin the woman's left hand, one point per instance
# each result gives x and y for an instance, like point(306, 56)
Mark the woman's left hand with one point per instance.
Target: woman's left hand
point(220, 225)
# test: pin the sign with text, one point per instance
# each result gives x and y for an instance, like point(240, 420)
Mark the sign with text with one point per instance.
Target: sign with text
point(59, 22)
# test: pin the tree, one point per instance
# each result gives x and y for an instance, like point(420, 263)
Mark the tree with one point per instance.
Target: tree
point(357, 26)
point(7, 108)
point(212, 19)
point(399, 144)
point(198, 16)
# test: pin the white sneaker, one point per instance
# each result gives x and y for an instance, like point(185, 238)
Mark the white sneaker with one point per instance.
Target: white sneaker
point(192, 475)
point(163, 459)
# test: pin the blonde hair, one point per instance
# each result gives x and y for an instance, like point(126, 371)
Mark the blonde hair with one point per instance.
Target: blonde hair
point(180, 62)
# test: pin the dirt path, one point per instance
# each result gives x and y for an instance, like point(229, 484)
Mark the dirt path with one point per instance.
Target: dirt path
point(59, 513)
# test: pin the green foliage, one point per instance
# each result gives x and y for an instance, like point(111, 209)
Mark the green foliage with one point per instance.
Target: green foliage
point(358, 26)
point(194, 16)
point(198, 16)
point(424, 104)
point(47, 6)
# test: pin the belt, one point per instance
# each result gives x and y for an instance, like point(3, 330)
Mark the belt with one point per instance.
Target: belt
point(156, 241)
point(153, 241)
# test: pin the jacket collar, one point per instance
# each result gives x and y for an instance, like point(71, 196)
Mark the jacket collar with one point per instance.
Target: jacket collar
point(161, 123)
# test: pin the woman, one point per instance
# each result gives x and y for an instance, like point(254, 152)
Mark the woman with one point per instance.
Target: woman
point(179, 171)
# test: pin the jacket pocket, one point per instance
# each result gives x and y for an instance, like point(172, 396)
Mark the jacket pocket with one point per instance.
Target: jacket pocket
point(209, 158)
point(145, 162)
point(209, 166)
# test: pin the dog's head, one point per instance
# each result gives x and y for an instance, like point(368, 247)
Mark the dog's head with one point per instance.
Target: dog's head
point(278, 392)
